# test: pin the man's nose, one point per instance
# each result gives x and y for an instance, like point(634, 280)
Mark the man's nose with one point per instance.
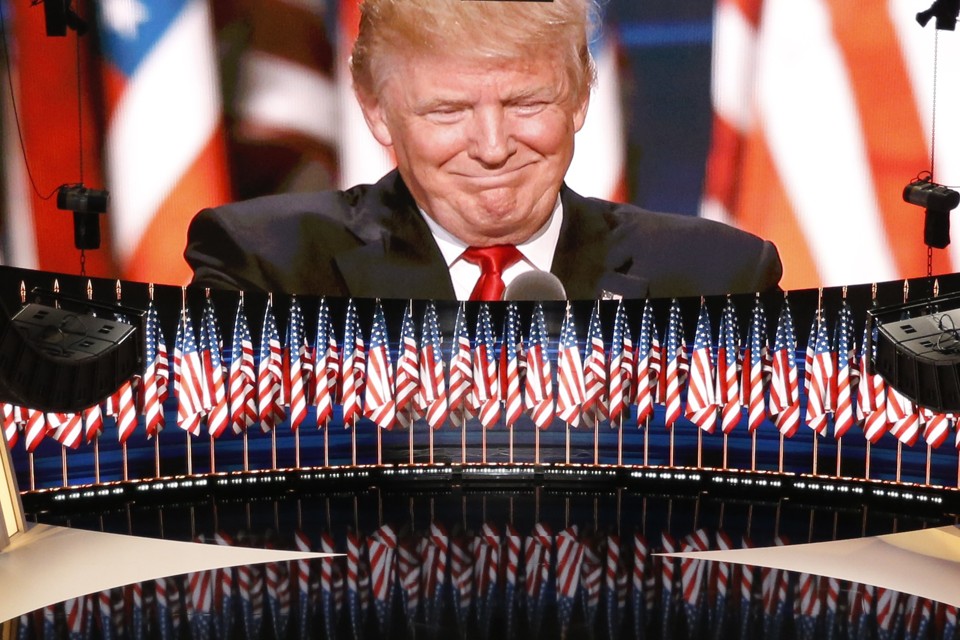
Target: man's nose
point(492, 143)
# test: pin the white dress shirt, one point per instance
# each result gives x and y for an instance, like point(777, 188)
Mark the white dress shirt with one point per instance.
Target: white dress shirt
point(537, 253)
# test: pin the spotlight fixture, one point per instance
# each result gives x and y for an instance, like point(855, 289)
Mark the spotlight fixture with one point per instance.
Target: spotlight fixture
point(86, 205)
point(938, 201)
point(945, 11)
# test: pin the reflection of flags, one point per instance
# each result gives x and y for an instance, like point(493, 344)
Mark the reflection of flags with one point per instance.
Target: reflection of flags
point(590, 583)
point(784, 381)
point(775, 112)
point(569, 560)
point(408, 577)
point(302, 570)
point(434, 573)
point(538, 384)
point(639, 574)
point(692, 580)
point(379, 404)
point(570, 382)
point(432, 382)
point(461, 578)
point(382, 549)
point(355, 578)
point(513, 547)
point(160, 69)
point(701, 399)
point(486, 381)
point(486, 574)
point(536, 567)
point(668, 569)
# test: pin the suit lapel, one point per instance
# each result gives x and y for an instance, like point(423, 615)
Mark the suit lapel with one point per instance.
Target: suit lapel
point(584, 261)
point(404, 258)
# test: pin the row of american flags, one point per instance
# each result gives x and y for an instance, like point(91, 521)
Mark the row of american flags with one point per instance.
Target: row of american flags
point(397, 581)
point(490, 376)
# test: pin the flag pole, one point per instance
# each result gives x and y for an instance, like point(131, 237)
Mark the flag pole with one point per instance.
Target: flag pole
point(671, 445)
point(596, 439)
point(430, 429)
point(123, 449)
point(156, 457)
point(646, 441)
point(536, 445)
point(296, 447)
point(33, 476)
point(189, 456)
point(929, 452)
point(899, 457)
point(483, 443)
point(839, 455)
point(410, 438)
point(96, 442)
point(780, 467)
point(620, 440)
point(379, 444)
point(273, 447)
point(815, 451)
point(699, 448)
point(326, 444)
point(568, 444)
point(463, 436)
point(725, 451)
point(511, 443)
point(353, 440)
point(213, 458)
point(867, 465)
point(753, 450)
point(63, 465)
point(246, 452)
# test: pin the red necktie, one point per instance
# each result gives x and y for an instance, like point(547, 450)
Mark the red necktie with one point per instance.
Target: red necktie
point(492, 262)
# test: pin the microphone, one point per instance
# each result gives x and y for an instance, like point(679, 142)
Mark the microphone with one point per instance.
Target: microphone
point(535, 285)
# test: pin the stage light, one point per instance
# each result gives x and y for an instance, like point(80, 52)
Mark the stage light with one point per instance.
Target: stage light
point(945, 11)
point(938, 201)
point(64, 358)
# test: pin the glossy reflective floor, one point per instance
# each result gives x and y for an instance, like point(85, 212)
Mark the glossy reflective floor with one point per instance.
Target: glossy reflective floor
point(518, 564)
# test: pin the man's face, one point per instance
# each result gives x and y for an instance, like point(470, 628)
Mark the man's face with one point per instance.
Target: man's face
point(483, 145)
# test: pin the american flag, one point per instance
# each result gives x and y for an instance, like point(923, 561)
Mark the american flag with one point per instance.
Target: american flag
point(647, 355)
point(848, 373)
point(408, 372)
point(35, 429)
point(903, 416)
point(621, 360)
point(596, 402)
point(638, 578)
point(821, 379)
point(92, 422)
point(270, 374)
point(351, 367)
point(872, 399)
point(485, 391)
point(461, 371)
point(569, 560)
point(510, 371)
point(936, 427)
point(297, 366)
point(215, 398)
point(538, 381)
point(11, 432)
point(570, 383)
point(164, 142)
point(153, 415)
point(701, 388)
point(126, 407)
point(242, 375)
point(188, 378)
point(784, 381)
point(756, 363)
point(382, 550)
point(775, 113)
point(675, 366)
point(326, 366)
point(69, 431)
point(432, 381)
point(379, 403)
point(728, 369)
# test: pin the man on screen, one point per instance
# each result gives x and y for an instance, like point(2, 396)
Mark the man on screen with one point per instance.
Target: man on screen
point(479, 103)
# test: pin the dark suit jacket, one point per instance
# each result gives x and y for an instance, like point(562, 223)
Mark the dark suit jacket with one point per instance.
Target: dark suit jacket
point(371, 241)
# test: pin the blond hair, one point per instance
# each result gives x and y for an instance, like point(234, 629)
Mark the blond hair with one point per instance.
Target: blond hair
point(493, 29)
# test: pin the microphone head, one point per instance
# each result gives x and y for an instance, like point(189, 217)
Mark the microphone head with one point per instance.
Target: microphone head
point(535, 285)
